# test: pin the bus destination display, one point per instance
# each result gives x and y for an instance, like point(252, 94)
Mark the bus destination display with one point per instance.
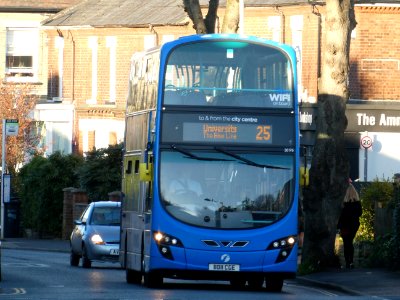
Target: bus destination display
point(214, 132)
point(242, 129)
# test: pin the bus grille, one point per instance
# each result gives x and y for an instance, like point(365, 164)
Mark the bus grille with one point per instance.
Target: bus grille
point(224, 243)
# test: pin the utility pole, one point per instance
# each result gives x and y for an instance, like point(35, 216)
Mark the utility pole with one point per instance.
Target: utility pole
point(3, 167)
point(10, 127)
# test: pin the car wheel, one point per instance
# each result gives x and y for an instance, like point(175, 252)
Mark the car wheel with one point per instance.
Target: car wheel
point(74, 259)
point(274, 285)
point(86, 263)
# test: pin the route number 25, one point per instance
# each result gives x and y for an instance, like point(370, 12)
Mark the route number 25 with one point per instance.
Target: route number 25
point(263, 133)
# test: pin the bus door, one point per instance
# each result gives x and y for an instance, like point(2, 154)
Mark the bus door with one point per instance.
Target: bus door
point(131, 208)
point(146, 184)
point(137, 191)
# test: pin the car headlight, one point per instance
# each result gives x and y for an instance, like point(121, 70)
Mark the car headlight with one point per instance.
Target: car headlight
point(97, 240)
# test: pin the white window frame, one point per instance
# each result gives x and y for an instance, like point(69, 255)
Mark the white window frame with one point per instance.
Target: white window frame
point(59, 45)
point(29, 47)
point(167, 38)
point(274, 25)
point(111, 42)
point(150, 41)
point(93, 45)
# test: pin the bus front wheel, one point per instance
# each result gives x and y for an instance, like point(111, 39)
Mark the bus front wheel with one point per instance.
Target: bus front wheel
point(274, 284)
point(238, 283)
point(256, 282)
point(153, 280)
point(134, 277)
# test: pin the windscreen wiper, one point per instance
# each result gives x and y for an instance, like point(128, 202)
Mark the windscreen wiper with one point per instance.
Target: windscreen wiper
point(191, 155)
point(249, 162)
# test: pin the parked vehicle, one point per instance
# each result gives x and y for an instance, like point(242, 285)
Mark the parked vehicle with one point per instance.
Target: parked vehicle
point(96, 236)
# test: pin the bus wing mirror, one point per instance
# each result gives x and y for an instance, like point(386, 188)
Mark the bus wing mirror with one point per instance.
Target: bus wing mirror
point(304, 176)
point(146, 172)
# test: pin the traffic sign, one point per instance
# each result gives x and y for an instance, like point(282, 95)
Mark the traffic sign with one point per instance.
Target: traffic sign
point(366, 141)
point(12, 127)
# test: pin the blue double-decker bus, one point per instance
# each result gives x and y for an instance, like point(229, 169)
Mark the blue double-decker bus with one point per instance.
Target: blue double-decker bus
point(210, 177)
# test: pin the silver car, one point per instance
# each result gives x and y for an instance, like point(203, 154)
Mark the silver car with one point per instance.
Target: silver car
point(96, 236)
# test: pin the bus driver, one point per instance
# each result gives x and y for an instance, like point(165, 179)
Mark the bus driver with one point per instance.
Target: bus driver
point(185, 184)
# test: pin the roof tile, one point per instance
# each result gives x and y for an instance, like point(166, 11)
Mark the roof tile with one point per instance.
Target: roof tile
point(21, 5)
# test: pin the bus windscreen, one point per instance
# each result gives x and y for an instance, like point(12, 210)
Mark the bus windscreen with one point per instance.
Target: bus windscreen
point(232, 74)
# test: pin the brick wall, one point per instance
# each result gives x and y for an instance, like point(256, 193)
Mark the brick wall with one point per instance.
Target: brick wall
point(375, 54)
point(257, 23)
point(77, 75)
point(75, 201)
point(374, 57)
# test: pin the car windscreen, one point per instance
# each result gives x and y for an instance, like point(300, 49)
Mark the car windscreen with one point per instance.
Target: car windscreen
point(108, 216)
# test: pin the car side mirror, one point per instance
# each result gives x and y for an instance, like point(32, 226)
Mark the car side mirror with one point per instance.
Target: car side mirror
point(79, 222)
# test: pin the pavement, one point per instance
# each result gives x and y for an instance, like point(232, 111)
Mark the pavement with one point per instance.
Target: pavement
point(359, 281)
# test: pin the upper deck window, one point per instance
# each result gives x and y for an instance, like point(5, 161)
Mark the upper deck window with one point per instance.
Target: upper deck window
point(228, 73)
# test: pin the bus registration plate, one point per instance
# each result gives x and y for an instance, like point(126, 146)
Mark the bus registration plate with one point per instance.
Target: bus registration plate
point(224, 267)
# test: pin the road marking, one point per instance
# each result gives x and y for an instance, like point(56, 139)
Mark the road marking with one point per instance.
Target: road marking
point(13, 291)
point(25, 265)
point(321, 291)
point(377, 297)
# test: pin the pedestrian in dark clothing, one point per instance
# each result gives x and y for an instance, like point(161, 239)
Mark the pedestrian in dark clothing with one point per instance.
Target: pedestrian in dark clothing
point(349, 222)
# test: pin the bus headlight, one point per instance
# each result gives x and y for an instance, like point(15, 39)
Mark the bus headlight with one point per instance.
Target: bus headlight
point(164, 242)
point(285, 245)
point(166, 239)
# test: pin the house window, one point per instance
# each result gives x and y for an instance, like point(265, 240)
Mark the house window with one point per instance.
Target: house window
point(274, 25)
point(93, 45)
point(167, 38)
point(150, 41)
point(60, 137)
point(21, 53)
point(112, 45)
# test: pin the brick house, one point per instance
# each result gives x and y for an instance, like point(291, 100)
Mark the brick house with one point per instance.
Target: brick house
point(90, 45)
point(23, 59)
point(94, 42)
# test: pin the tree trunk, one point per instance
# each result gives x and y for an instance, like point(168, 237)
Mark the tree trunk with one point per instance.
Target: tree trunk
point(207, 25)
point(192, 8)
point(329, 167)
point(211, 16)
point(231, 18)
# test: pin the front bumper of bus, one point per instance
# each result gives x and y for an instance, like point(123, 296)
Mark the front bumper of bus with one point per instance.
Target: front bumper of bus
point(174, 260)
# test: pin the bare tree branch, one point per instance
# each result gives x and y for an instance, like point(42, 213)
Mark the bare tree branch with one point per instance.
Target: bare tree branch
point(192, 8)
